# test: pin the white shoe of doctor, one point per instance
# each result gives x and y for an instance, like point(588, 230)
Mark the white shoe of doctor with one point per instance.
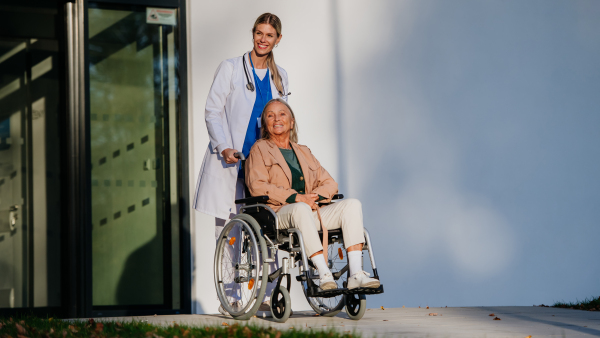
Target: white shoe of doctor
point(362, 280)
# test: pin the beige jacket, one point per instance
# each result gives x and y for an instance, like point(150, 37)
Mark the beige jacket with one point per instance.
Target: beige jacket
point(267, 173)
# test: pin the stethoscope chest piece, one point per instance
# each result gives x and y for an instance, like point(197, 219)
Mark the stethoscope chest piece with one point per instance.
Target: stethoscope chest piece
point(250, 87)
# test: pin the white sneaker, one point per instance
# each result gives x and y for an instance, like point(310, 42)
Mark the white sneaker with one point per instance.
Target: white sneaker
point(222, 311)
point(362, 280)
point(264, 310)
point(326, 282)
point(234, 305)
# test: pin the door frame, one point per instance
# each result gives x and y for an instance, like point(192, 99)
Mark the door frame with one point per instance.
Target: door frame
point(83, 179)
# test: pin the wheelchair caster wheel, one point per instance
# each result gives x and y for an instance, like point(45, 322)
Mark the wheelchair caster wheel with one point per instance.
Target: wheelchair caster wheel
point(281, 304)
point(356, 305)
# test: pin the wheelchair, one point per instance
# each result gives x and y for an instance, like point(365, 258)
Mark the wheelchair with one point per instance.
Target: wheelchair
point(249, 242)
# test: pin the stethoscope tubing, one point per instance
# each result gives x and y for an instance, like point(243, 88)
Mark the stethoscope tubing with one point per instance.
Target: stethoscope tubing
point(250, 84)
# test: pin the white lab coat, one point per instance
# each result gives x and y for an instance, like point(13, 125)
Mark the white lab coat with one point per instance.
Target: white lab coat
point(227, 114)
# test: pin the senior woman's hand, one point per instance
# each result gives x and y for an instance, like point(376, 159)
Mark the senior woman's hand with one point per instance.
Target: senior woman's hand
point(309, 199)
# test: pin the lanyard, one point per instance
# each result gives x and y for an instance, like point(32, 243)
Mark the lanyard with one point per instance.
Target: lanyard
point(256, 79)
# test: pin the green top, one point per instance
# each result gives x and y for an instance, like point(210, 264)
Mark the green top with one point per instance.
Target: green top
point(298, 183)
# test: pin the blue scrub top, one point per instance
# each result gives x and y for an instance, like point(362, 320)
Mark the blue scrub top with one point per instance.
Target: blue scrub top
point(263, 95)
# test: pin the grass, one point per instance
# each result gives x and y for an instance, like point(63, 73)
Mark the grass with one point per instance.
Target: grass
point(30, 327)
point(591, 304)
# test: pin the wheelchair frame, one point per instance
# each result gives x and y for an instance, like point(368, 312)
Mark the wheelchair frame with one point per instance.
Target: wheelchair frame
point(275, 239)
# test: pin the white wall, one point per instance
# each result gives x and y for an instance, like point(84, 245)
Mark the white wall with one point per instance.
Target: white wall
point(222, 30)
point(469, 130)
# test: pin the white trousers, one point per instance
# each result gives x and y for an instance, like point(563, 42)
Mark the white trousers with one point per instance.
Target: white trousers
point(232, 289)
point(346, 214)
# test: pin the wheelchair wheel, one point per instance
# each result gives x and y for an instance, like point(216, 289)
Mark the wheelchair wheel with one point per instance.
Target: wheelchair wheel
point(356, 305)
point(238, 258)
point(281, 304)
point(329, 307)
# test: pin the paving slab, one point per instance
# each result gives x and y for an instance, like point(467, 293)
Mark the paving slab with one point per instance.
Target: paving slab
point(515, 321)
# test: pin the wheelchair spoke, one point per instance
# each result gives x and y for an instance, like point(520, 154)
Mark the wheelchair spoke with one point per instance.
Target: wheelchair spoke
point(331, 304)
point(238, 268)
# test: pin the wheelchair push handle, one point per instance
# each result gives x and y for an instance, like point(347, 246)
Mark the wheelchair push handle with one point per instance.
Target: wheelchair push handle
point(240, 155)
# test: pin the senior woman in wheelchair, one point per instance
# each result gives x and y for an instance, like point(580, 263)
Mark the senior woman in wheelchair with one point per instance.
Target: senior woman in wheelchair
point(295, 181)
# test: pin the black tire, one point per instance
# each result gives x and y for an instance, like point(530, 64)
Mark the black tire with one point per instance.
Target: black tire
point(281, 304)
point(356, 306)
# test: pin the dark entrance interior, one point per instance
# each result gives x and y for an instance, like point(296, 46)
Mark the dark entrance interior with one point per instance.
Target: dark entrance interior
point(92, 196)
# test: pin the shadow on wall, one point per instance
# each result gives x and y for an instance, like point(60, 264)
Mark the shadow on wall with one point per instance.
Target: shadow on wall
point(474, 147)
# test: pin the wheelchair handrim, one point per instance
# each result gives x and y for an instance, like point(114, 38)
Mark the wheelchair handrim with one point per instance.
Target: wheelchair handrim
point(218, 268)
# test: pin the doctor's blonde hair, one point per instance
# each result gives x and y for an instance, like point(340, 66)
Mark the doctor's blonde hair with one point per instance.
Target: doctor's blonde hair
point(264, 132)
point(273, 20)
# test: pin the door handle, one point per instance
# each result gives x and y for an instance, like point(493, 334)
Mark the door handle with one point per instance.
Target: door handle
point(13, 216)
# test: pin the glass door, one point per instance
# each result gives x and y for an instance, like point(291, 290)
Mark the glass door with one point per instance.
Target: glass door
point(133, 58)
point(30, 190)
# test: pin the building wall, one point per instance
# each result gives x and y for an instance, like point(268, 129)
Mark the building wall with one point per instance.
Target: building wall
point(468, 129)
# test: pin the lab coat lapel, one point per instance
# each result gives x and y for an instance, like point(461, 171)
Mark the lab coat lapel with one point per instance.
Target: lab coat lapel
point(274, 150)
point(304, 167)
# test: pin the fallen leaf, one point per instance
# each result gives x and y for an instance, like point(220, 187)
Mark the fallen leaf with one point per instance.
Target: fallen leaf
point(73, 329)
point(51, 331)
point(119, 324)
point(224, 324)
point(278, 335)
point(433, 314)
point(22, 322)
point(149, 334)
point(491, 315)
point(382, 308)
point(64, 333)
point(497, 318)
point(99, 327)
point(186, 333)
point(1, 325)
point(20, 329)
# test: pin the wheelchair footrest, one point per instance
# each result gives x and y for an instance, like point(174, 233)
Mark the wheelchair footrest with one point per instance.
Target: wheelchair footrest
point(316, 292)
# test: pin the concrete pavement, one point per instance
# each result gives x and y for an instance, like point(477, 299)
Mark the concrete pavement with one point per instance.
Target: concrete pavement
point(515, 321)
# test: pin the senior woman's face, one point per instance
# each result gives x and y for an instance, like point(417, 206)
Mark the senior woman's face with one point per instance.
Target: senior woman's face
point(279, 119)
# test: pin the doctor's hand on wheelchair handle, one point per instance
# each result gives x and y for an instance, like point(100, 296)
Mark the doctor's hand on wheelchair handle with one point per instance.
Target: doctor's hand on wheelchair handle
point(232, 155)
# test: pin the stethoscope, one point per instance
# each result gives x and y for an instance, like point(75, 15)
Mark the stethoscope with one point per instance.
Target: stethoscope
point(250, 85)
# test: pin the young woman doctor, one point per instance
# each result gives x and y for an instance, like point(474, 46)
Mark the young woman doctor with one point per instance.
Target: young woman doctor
point(241, 88)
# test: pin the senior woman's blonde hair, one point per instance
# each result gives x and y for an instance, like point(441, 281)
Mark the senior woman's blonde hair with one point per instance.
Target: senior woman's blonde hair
point(263, 121)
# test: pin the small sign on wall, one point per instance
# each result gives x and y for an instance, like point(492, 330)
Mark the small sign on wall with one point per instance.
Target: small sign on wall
point(161, 16)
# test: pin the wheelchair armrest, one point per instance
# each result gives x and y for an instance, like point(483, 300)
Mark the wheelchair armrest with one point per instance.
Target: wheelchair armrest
point(337, 197)
point(253, 200)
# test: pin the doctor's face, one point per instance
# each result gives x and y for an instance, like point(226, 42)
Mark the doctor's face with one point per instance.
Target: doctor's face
point(279, 119)
point(265, 39)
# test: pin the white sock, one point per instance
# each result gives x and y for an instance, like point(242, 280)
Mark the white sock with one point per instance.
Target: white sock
point(355, 261)
point(319, 262)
